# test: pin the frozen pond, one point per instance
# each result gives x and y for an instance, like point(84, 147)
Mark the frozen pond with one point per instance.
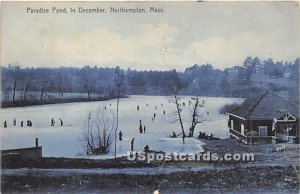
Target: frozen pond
point(63, 141)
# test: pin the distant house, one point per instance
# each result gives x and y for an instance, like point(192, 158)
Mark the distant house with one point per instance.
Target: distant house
point(266, 118)
point(286, 74)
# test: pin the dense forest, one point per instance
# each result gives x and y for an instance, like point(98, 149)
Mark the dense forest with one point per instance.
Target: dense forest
point(93, 82)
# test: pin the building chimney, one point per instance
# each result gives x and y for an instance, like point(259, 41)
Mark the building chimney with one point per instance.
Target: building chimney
point(36, 142)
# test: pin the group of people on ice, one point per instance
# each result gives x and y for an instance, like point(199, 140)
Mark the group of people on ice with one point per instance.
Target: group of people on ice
point(121, 138)
point(146, 148)
point(28, 123)
point(142, 129)
point(203, 135)
point(53, 122)
point(154, 114)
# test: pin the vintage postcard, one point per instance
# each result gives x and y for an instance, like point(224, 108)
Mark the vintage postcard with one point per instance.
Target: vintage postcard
point(149, 97)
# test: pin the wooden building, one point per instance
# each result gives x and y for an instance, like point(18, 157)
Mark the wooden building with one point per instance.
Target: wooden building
point(266, 118)
point(30, 152)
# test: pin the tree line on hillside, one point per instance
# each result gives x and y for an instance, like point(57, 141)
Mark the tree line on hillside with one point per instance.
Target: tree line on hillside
point(254, 75)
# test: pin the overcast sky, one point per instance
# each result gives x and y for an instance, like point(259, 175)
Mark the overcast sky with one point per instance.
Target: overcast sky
point(220, 33)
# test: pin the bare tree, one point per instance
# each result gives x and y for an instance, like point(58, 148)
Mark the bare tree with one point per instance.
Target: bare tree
point(5, 96)
point(15, 78)
point(177, 113)
point(61, 85)
point(45, 80)
point(179, 117)
point(88, 82)
point(87, 87)
point(195, 113)
point(196, 117)
point(119, 88)
point(97, 133)
point(27, 81)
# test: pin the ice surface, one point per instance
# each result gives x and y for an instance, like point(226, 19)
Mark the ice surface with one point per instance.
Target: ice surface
point(64, 141)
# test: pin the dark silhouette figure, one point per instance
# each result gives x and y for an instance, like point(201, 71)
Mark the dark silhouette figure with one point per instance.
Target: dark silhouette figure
point(52, 122)
point(154, 115)
point(202, 135)
point(120, 136)
point(22, 123)
point(173, 134)
point(15, 122)
point(36, 142)
point(146, 104)
point(164, 112)
point(132, 144)
point(141, 127)
point(5, 124)
point(105, 108)
point(138, 108)
point(61, 122)
point(146, 148)
point(144, 129)
point(29, 123)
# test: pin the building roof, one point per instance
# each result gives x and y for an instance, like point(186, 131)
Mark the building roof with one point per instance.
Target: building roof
point(266, 105)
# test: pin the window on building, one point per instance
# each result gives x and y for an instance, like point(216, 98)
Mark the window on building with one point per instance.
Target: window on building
point(263, 130)
point(242, 129)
